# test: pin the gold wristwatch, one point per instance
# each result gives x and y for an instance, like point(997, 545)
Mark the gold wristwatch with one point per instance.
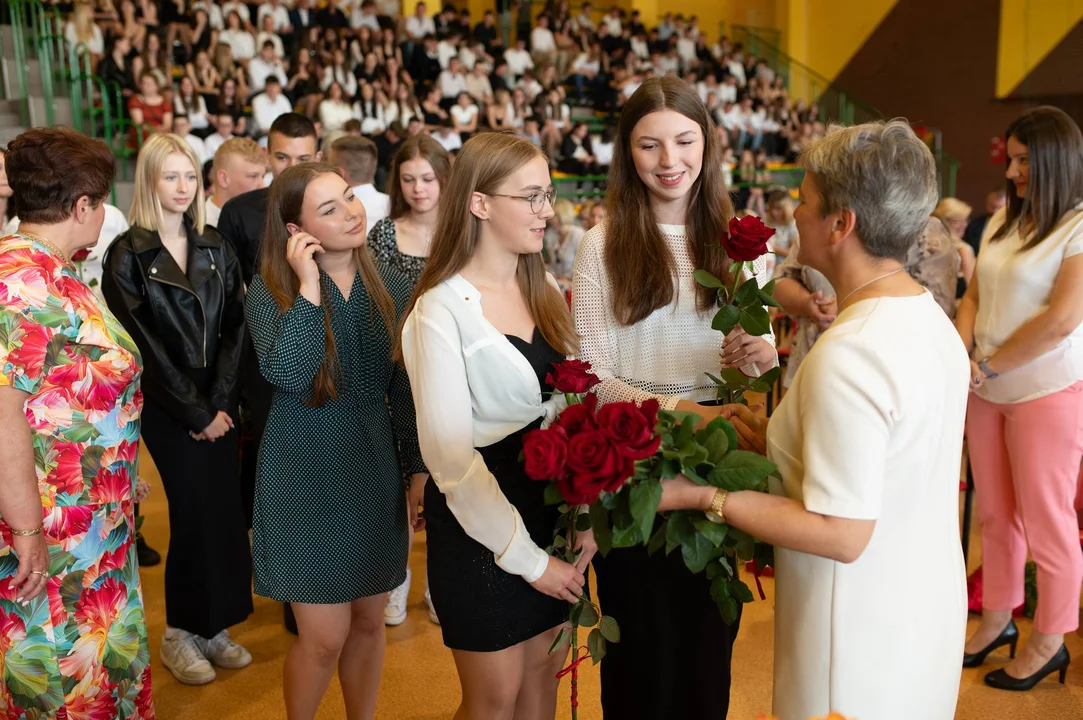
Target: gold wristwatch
point(714, 513)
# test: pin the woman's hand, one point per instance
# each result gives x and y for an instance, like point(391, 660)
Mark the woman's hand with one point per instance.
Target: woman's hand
point(977, 377)
point(301, 250)
point(560, 580)
point(586, 546)
point(33, 573)
point(415, 499)
point(821, 310)
point(680, 493)
point(751, 429)
point(741, 349)
point(221, 425)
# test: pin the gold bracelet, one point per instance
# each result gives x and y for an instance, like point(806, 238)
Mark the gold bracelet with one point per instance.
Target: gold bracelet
point(27, 533)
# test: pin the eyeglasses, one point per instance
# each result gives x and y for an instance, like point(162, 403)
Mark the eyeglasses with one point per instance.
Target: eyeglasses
point(537, 200)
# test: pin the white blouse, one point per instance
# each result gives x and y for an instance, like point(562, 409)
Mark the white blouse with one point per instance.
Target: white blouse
point(1013, 287)
point(472, 388)
point(664, 356)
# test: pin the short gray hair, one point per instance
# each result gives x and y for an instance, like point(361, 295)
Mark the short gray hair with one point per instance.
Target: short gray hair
point(882, 172)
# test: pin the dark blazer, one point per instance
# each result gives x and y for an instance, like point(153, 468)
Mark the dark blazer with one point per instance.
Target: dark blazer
point(241, 224)
point(187, 326)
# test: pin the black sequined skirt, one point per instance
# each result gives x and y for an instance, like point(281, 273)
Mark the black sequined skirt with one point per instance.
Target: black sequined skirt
point(481, 607)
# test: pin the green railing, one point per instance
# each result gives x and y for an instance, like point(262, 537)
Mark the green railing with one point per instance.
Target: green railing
point(834, 102)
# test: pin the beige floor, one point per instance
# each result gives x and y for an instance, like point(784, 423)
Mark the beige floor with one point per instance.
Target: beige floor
point(419, 678)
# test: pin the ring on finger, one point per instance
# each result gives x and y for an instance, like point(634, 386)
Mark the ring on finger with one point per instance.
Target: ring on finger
point(40, 572)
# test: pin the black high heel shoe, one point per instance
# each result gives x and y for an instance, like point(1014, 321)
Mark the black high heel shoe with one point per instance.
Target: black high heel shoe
point(1008, 636)
point(1003, 681)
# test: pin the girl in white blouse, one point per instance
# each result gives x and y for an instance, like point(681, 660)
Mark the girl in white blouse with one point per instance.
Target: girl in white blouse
point(645, 327)
point(334, 111)
point(1022, 320)
point(485, 324)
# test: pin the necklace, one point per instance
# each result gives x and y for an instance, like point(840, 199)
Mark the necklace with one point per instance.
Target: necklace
point(51, 248)
point(865, 285)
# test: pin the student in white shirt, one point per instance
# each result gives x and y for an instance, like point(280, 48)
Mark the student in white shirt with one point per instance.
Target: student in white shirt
point(268, 34)
point(264, 66)
point(189, 102)
point(270, 105)
point(447, 137)
point(239, 166)
point(223, 132)
point(645, 327)
point(477, 354)
point(241, 42)
point(446, 49)
point(182, 127)
point(543, 46)
point(464, 116)
point(452, 82)
point(518, 60)
point(1021, 321)
point(334, 111)
point(278, 11)
point(241, 8)
point(420, 24)
point(370, 111)
point(364, 15)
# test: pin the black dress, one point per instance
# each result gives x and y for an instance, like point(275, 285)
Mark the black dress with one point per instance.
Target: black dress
point(483, 608)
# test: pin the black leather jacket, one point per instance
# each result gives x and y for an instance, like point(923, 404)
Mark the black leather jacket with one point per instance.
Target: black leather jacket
point(187, 327)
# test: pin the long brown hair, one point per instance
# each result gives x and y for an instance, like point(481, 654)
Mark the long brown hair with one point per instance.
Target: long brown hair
point(486, 161)
point(284, 205)
point(641, 268)
point(1055, 185)
point(418, 146)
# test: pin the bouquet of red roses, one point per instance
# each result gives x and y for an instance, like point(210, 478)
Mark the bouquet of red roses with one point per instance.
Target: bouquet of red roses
point(612, 460)
point(743, 304)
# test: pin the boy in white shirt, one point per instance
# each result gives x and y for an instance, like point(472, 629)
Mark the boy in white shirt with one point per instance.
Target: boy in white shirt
point(278, 11)
point(183, 127)
point(518, 59)
point(543, 46)
point(452, 82)
point(269, 105)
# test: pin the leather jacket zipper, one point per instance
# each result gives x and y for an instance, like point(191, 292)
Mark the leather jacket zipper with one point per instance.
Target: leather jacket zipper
point(201, 309)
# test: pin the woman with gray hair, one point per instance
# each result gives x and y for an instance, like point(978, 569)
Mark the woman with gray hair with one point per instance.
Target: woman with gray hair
point(870, 612)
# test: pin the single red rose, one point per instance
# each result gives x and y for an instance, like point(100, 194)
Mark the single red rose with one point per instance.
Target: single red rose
point(630, 428)
point(578, 417)
point(577, 494)
point(81, 255)
point(747, 238)
point(596, 464)
point(572, 376)
point(545, 453)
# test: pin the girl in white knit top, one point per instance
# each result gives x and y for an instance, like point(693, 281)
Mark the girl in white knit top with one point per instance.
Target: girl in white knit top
point(645, 327)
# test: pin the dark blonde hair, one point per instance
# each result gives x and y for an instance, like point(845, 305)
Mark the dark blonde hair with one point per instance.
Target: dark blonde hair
point(284, 206)
point(418, 146)
point(641, 268)
point(486, 161)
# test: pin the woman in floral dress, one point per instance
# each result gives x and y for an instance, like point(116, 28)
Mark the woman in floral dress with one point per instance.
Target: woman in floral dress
point(73, 637)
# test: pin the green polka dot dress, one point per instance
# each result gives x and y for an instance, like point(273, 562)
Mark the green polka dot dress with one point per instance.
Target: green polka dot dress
point(330, 509)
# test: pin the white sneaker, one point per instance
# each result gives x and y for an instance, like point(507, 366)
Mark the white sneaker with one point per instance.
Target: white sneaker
point(183, 657)
point(428, 601)
point(224, 652)
point(395, 611)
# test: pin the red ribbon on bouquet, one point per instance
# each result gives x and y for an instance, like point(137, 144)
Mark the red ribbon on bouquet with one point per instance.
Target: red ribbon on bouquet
point(573, 668)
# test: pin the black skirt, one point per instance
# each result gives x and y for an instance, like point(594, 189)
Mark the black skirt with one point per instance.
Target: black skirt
point(483, 608)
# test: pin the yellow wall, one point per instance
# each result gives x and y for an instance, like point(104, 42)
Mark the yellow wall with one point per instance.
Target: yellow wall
point(1029, 30)
point(825, 34)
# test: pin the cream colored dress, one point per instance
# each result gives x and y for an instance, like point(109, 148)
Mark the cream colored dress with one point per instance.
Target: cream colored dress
point(872, 428)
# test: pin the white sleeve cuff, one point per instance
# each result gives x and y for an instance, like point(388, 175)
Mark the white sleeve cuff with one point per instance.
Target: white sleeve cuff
point(522, 557)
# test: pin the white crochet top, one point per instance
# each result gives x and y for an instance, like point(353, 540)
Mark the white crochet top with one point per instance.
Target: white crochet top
point(665, 355)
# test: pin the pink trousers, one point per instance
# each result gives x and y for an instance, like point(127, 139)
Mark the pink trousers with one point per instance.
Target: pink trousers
point(1025, 459)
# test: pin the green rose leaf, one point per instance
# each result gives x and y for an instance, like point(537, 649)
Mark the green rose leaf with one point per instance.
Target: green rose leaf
point(741, 470)
point(582, 522)
point(744, 543)
point(589, 616)
point(741, 591)
point(755, 320)
point(561, 637)
point(609, 629)
point(706, 279)
point(552, 495)
point(596, 645)
point(729, 609)
point(643, 502)
point(726, 319)
point(747, 294)
point(599, 521)
point(696, 551)
point(734, 377)
point(767, 295)
point(720, 590)
point(678, 527)
point(716, 445)
point(658, 540)
point(714, 532)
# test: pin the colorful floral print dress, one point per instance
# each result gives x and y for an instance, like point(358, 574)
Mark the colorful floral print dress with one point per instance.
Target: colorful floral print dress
point(78, 650)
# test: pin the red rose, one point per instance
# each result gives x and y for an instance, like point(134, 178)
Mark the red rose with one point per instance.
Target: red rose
point(596, 464)
point(747, 239)
point(631, 428)
point(81, 255)
point(578, 417)
point(572, 376)
point(545, 453)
